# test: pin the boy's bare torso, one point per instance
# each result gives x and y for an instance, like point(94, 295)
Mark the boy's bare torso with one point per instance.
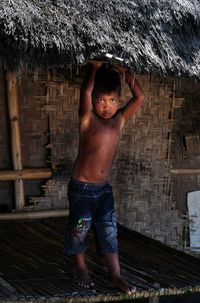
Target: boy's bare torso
point(97, 147)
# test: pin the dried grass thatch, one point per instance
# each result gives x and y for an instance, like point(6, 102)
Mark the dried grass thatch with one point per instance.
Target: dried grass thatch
point(151, 35)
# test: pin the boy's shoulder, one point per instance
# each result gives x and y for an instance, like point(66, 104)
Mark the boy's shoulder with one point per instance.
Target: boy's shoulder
point(93, 120)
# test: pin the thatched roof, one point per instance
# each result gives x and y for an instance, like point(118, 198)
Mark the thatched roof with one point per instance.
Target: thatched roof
point(151, 35)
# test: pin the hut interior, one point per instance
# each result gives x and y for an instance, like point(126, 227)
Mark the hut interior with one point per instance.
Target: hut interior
point(157, 157)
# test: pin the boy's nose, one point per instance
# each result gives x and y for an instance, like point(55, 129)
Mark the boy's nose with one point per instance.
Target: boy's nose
point(106, 105)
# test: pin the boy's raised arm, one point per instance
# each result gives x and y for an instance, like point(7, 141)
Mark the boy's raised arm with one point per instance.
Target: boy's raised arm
point(135, 102)
point(85, 105)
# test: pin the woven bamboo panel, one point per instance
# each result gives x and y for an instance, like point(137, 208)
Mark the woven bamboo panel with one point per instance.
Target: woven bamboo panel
point(33, 121)
point(186, 135)
point(185, 151)
point(51, 138)
point(34, 127)
point(141, 170)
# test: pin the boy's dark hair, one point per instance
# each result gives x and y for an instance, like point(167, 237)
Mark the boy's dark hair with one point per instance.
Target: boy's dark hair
point(106, 81)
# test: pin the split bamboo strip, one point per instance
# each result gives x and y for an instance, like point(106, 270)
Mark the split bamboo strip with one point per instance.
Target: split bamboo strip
point(25, 174)
point(185, 171)
point(171, 123)
point(13, 108)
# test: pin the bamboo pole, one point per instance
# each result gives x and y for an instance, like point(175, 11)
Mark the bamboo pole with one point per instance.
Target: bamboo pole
point(25, 174)
point(29, 215)
point(185, 171)
point(13, 108)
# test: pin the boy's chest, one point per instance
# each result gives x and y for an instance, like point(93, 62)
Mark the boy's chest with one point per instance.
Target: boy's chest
point(104, 131)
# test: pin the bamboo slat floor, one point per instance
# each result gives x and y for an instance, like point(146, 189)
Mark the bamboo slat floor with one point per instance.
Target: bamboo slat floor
point(34, 267)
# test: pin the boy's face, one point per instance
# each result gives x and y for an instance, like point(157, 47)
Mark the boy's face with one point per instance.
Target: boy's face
point(106, 105)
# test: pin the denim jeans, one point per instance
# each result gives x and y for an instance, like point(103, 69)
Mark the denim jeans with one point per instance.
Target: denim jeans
point(91, 205)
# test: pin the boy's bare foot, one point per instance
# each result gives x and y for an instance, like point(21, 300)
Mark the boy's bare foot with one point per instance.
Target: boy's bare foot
point(120, 283)
point(84, 279)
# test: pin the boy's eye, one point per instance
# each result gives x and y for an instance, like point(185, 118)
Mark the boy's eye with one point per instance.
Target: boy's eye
point(113, 100)
point(100, 100)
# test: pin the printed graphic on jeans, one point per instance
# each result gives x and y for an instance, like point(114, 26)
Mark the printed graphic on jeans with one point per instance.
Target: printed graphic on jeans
point(83, 224)
point(82, 228)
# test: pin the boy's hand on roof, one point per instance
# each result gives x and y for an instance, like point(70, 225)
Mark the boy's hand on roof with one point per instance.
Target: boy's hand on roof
point(96, 63)
point(126, 72)
point(121, 69)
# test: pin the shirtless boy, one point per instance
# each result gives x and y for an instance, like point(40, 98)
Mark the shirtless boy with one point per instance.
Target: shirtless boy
point(91, 201)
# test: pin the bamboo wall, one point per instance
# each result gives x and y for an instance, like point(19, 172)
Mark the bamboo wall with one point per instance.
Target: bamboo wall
point(149, 198)
point(34, 129)
point(143, 166)
point(185, 152)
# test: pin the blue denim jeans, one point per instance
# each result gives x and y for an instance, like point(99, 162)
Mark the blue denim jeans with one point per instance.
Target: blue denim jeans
point(91, 205)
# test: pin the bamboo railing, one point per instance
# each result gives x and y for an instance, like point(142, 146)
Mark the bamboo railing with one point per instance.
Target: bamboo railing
point(18, 174)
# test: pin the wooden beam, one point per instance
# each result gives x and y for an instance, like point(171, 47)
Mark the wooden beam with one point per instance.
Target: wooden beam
point(185, 171)
point(25, 174)
point(13, 109)
point(29, 215)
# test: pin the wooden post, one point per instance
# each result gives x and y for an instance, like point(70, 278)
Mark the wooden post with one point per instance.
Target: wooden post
point(13, 108)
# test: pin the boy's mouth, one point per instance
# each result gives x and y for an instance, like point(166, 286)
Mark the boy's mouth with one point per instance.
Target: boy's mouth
point(107, 114)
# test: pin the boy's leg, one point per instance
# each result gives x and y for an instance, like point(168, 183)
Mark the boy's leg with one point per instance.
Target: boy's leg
point(106, 229)
point(75, 239)
point(112, 263)
point(84, 279)
point(80, 220)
